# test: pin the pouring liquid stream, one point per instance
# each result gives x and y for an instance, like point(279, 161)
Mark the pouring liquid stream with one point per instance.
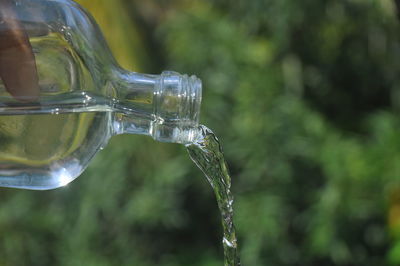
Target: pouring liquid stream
point(206, 153)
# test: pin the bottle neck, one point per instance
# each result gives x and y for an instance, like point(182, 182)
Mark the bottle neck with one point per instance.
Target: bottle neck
point(164, 106)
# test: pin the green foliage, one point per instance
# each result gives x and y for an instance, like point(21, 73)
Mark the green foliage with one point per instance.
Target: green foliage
point(304, 96)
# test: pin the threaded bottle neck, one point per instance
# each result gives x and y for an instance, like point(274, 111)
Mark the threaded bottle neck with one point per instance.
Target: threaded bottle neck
point(176, 107)
point(165, 106)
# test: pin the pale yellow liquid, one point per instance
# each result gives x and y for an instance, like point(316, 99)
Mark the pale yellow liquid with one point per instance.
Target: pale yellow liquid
point(37, 140)
point(48, 142)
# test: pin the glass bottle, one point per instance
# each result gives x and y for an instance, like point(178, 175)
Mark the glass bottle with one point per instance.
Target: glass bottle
point(62, 95)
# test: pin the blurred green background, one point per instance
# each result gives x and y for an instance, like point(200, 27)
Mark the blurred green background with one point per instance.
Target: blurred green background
point(305, 97)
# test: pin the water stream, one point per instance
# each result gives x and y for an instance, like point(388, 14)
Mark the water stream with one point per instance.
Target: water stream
point(207, 154)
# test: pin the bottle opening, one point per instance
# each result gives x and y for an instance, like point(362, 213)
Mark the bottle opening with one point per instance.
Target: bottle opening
point(177, 108)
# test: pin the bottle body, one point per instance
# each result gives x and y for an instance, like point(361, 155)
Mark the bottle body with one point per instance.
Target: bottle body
point(49, 131)
point(48, 151)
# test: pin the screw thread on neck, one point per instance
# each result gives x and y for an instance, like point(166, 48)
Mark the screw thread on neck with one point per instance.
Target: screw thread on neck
point(176, 107)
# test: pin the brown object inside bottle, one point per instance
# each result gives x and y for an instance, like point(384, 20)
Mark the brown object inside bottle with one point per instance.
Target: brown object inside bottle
point(17, 62)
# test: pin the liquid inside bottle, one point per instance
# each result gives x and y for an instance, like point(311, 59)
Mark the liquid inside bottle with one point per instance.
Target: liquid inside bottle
point(83, 98)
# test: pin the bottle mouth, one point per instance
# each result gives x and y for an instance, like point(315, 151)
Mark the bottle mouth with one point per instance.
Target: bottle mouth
point(177, 103)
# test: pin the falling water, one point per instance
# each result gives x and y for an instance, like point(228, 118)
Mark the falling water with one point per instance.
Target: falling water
point(206, 153)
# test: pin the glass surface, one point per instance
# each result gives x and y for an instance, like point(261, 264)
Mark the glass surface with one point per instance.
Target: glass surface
point(62, 95)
